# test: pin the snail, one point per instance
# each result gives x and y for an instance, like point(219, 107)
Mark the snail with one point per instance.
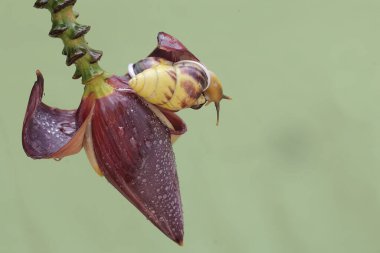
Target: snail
point(176, 86)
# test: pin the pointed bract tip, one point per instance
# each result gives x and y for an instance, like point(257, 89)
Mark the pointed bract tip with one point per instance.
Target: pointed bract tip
point(171, 49)
point(177, 238)
point(40, 79)
point(38, 72)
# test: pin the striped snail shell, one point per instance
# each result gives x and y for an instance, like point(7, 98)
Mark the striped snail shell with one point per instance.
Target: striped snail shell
point(172, 86)
point(147, 63)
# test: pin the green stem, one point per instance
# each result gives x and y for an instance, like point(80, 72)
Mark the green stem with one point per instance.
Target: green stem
point(72, 34)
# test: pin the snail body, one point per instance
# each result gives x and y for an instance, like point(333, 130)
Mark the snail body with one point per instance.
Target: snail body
point(175, 86)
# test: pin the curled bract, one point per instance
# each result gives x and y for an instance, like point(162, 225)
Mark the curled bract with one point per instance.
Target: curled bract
point(127, 140)
point(49, 132)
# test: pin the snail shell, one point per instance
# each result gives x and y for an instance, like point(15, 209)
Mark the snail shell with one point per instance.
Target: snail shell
point(167, 85)
point(149, 62)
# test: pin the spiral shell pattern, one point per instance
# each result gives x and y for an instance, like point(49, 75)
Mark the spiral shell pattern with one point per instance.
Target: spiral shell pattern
point(170, 86)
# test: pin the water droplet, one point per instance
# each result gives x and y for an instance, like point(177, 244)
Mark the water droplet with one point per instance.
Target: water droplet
point(133, 142)
point(121, 130)
point(57, 159)
point(66, 127)
point(148, 144)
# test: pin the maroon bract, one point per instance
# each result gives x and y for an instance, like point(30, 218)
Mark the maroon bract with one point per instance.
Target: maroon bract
point(127, 136)
point(126, 140)
point(171, 49)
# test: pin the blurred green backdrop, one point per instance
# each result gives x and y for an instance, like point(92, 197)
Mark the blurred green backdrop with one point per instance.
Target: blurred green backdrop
point(293, 167)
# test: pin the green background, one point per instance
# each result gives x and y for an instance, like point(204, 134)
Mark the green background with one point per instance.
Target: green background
point(293, 167)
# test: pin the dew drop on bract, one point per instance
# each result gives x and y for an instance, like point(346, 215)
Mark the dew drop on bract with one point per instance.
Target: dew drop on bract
point(133, 142)
point(148, 144)
point(121, 131)
point(66, 127)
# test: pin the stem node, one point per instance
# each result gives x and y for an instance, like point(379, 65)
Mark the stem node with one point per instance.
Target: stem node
point(72, 34)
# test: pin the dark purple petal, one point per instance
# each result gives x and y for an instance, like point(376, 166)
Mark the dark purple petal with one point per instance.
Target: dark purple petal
point(49, 132)
point(171, 49)
point(133, 149)
point(175, 124)
point(179, 126)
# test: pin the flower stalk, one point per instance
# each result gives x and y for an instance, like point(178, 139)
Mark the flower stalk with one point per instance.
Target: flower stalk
point(76, 48)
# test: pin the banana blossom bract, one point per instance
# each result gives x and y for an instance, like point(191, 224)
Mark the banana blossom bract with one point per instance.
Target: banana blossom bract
point(126, 140)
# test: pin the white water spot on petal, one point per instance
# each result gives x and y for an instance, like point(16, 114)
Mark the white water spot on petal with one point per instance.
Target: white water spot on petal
point(148, 144)
point(133, 142)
